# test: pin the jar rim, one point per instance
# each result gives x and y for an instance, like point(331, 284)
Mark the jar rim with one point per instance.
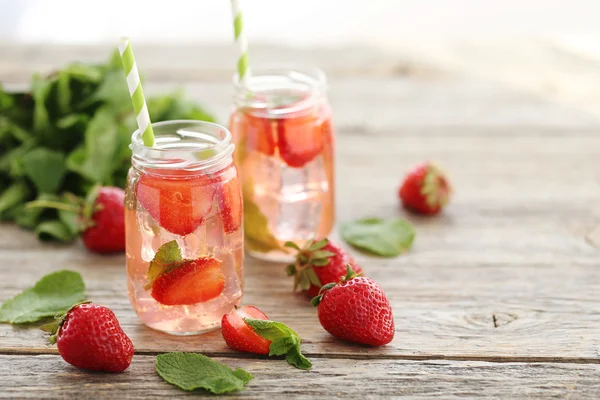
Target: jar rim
point(202, 145)
point(248, 95)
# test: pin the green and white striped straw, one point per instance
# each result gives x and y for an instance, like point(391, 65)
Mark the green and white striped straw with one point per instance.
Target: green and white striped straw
point(135, 91)
point(243, 68)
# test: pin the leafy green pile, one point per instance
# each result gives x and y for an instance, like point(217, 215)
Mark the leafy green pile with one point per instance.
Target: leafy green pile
point(70, 132)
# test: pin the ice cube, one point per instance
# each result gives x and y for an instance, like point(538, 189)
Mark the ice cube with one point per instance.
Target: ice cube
point(290, 198)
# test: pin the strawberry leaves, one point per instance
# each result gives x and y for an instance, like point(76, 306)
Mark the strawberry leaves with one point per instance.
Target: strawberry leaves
point(308, 257)
point(284, 341)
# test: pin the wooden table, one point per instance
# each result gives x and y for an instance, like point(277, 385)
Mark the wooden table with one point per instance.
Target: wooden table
point(497, 298)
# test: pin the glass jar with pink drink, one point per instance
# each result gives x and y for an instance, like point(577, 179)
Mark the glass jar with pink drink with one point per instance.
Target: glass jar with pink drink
point(282, 127)
point(184, 227)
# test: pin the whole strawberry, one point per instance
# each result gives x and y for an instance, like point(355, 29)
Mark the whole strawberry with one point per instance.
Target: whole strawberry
point(104, 224)
point(89, 336)
point(317, 264)
point(100, 219)
point(356, 309)
point(425, 189)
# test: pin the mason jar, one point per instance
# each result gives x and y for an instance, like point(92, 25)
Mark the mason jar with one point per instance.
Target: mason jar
point(184, 227)
point(282, 128)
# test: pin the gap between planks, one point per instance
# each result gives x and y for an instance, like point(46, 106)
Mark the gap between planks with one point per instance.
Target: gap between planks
point(428, 357)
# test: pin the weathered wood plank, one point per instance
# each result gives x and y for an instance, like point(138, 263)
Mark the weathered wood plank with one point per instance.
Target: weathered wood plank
point(50, 377)
point(444, 301)
point(369, 89)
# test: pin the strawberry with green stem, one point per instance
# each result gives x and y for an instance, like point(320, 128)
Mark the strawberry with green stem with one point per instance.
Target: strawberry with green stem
point(425, 189)
point(89, 336)
point(100, 218)
point(176, 281)
point(318, 263)
point(356, 309)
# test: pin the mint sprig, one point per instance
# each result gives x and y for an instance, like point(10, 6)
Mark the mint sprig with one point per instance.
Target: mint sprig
point(191, 371)
point(53, 294)
point(284, 341)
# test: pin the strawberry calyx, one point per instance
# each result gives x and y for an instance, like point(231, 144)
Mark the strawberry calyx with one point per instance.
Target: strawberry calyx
point(59, 319)
point(310, 256)
point(435, 187)
point(350, 274)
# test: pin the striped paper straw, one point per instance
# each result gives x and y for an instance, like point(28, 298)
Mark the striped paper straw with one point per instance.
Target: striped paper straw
point(136, 92)
point(238, 28)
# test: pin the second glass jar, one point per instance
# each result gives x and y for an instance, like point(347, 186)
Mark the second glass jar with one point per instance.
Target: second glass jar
point(281, 124)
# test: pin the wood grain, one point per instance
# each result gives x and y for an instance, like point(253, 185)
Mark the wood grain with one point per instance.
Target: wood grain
point(444, 302)
point(497, 298)
point(50, 377)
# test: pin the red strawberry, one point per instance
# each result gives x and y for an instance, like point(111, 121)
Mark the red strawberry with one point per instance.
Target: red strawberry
point(178, 202)
point(100, 217)
point(425, 189)
point(230, 204)
point(300, 139)
point(260, 134)
point(239, 335)
point(106, 231)
point(89, 336)
point(189, 282)
point(356, 309)
point(319, 263)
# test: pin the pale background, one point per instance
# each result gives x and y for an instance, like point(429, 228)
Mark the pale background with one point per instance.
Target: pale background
point(550, 48)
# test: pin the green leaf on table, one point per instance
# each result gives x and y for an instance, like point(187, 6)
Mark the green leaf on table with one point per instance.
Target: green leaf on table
point(46, 168)
point(15, 195)
point(95, 160)
point(284, 340)
point(386, 238)
point(55, 230)
point(54, 293)
point(63, 92)
point(112, 91)
point(72, 120)
point(191, 371)
point(40, 90)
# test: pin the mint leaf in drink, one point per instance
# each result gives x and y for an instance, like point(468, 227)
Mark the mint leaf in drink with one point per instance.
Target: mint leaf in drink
point(256, 226)
point(46, 169)
point(191, 371)
point(284, 340)
point(386, 238)
point(167, 258)
point(54, 293)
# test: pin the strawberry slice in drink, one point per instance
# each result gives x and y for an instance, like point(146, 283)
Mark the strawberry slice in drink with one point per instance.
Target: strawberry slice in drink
point(300, 139)
point(179, 201)
point(191, 282)
point(239, 335)
point(260, 134)
point(230, 204)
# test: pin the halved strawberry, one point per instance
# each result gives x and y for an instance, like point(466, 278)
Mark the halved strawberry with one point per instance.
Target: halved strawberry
point(239, 335)
point(191, 282)
point(178, 202)
point(260, 134)
point(230, 204)
point(300, 139)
